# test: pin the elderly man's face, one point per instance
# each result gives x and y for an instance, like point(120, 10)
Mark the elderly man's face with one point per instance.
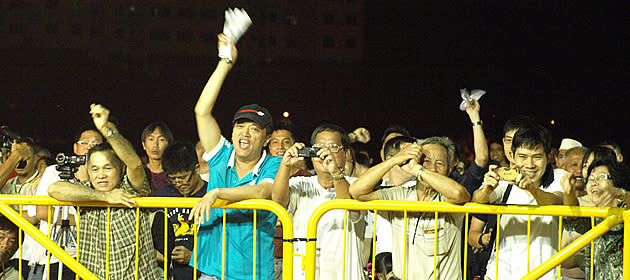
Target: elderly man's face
point(436, 158)
point(332, 141)
point(104, 172)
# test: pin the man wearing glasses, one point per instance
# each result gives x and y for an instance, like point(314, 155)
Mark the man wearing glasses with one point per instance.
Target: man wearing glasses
point(301, 195)
point(180, 163)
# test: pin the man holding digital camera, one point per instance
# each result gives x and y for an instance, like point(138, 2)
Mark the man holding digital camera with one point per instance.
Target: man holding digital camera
point(302, 195)
point(534, 185)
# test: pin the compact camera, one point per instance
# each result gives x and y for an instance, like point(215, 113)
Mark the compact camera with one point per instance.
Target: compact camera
point(308, 152)
point(507, 174)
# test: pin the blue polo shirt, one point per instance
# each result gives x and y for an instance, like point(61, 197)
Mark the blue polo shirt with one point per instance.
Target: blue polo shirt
point(239, 228)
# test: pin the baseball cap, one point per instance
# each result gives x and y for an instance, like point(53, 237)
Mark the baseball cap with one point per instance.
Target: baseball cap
point(256, 113)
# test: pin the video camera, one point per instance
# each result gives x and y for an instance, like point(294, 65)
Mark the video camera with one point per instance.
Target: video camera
point(68, 165)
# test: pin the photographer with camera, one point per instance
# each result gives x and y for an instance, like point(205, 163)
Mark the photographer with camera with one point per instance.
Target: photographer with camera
point(534, 184)
point(301, 195)
point(22, 161)
point(116, 175)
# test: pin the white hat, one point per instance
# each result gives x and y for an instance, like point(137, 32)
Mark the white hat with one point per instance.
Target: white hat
point(568, 143)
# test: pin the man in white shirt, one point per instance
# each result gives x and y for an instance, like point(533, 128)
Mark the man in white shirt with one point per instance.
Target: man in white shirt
point(301, 195)
point(535, 185)
point(432, 184)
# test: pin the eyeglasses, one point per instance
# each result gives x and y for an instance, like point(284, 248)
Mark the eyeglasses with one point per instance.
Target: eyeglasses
point(86, 143)
point(600, 177)
point(332, 147)
point(184, 179)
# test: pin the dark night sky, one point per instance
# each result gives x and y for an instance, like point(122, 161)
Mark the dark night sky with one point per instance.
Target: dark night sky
point(560, 61)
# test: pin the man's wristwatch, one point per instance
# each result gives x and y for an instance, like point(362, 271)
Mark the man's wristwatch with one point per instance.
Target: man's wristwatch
point(477, 123)
point(111, 132)
point(622, 197)
point(420, 171)
point(338, 176)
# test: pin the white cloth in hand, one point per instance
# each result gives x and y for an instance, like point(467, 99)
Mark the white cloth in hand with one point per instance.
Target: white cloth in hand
point(236, 23)
point(469, 96)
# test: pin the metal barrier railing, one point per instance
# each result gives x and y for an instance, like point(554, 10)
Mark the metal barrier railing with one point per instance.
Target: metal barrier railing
point(144, 202)
point(613, 217)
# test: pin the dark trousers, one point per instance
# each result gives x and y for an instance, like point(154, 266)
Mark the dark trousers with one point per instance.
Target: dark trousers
point(38, 271)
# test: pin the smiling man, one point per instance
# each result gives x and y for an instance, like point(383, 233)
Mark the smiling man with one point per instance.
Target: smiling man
point(535, 185)
point(115, 176)
point(238, 170)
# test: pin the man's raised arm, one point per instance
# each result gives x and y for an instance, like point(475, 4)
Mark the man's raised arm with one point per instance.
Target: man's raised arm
point(479, 138)
point(120, 145)
point(207, 126)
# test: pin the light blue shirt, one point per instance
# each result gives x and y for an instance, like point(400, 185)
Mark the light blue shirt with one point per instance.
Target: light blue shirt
point(239, 228)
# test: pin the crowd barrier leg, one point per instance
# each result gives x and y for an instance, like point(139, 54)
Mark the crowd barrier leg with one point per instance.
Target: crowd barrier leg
point(575, 246)
point(36, 234)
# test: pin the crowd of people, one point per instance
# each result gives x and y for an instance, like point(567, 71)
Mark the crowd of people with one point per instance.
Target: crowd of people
point(261, 160)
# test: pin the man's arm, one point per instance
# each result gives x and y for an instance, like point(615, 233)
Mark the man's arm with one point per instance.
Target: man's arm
point(207, 126)
point(260, 191)
point(280, 192)
point(547, 198)
point(542, 197)
point(19, 152)
point(66, 191)
point(452, 191)
point(363, 188)
point(120, 145)
point(475, 234)
point(490, 183)
point(568, 190)
point(479, 138)
point(338, 179)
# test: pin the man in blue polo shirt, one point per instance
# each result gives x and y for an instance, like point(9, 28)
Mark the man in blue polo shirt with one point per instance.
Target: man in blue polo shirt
point(238, 170)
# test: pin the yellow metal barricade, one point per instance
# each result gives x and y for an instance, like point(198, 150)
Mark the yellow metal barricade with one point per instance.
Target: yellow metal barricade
point(613, 217)
point(144, 202)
